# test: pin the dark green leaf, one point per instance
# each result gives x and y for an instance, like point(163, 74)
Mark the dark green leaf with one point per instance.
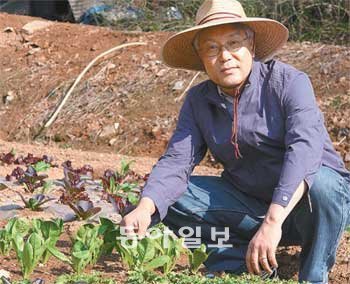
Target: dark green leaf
point(157, 262)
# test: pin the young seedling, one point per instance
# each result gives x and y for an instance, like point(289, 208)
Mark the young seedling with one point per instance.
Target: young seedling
point(30, 159)
point(85, 172)
point(33, 243)
point(121, 188)
point(110, 232)
point(74, 189)
point(41, 166)
point(86, 248)
point(159, 250)
point(74, 182)
point(8, 158)
point(5, 242)
point(83, 209)
point(51, 231)
point(14, 227)
point(197, 257)
point(94, 278)
point(29, 251)
point(35, 203)
point(32, 180)
point(17, 174)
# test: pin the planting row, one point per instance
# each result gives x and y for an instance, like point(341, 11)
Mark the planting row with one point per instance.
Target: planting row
point(121, 188)
point(150, 260)
point(35, 242)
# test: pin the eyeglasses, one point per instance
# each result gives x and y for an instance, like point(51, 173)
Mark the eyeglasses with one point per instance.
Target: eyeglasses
point(213, 49)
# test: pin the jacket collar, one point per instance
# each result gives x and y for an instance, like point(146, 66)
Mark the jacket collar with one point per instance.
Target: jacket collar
point(215, 98)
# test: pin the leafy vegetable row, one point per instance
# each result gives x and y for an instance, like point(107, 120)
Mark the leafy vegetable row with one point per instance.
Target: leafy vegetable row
point(35, 242)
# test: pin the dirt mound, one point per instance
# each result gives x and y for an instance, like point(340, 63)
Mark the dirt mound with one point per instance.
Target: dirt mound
point(125, 103)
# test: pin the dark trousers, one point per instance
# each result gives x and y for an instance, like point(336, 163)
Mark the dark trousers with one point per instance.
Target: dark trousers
point(211, 204)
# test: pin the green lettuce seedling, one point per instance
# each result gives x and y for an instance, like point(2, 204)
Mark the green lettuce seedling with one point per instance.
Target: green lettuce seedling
point(86, 247)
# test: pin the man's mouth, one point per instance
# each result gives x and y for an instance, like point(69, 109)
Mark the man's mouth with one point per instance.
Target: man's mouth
point(228, 69)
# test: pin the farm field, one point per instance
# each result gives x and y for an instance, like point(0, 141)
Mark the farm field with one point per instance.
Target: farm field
point(124, 109)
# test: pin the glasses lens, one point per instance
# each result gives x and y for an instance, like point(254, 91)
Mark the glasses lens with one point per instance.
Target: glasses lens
point(211, 50)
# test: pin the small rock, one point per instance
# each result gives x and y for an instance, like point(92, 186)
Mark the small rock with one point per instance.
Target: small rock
point(94, 47)
point(161, 72)
point(150, 55)
point(34, 26)
point(9, 30)
point(112, 141)
point(342, 80)
point(116, 125)
point(179, 85)
point(108, 131)
point(9, 97)
point(110, 66)
point(33, 50)
point(39, 64)
point(156, 131)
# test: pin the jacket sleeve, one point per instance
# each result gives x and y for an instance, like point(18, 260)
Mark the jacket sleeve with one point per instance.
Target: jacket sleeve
point(169, 177)
point(304, 139)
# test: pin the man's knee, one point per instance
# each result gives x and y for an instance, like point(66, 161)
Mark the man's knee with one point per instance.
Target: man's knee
point(328, 187)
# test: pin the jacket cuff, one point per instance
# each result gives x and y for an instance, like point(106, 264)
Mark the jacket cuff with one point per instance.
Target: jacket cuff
point(161, 207)
point(281, 197)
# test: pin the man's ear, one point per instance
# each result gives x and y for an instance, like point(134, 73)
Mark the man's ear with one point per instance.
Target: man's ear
point(253, 45)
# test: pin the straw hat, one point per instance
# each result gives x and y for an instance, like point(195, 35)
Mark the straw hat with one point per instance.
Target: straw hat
point(270, 35)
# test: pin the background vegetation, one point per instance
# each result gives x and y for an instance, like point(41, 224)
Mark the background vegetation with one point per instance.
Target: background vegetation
point(311, 20)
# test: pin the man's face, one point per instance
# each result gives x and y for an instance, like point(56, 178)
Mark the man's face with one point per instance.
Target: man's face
point(227, 55)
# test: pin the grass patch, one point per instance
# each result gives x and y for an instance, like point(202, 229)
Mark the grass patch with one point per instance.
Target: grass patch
point(185, 277)
point(95, 278)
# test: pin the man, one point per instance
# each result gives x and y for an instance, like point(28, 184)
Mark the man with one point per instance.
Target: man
point(283, 183)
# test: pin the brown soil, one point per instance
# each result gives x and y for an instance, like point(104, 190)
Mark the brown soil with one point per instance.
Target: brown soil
point(134, 90)
point(110, 266)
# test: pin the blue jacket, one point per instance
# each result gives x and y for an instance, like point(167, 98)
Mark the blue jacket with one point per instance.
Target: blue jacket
point(281, 136)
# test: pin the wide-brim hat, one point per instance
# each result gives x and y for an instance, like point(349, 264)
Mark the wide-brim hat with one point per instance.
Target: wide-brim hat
point(270, 35)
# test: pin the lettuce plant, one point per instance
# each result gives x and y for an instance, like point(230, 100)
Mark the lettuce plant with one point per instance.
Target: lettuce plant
point(32, 180)
point(41, 166)
point(74, 182)
point(109, 232)
point(30, 159)
point(29, 252)
point(197, 257)
point(5, 242)
point(8, 158)
point(35, 203)
point(17, 174)
point(86, 247)
point(85, 171)
point(50, 231)
point(156, 251)
point(121, 187)
point(83, 209)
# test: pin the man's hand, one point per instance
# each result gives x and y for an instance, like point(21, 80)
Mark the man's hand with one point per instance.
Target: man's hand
point(262, 249)
point(138, 220)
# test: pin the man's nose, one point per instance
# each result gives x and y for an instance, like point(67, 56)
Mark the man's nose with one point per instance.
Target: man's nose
point(224, 54)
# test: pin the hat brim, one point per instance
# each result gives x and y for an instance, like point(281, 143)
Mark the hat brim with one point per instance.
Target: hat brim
point(178, 50)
